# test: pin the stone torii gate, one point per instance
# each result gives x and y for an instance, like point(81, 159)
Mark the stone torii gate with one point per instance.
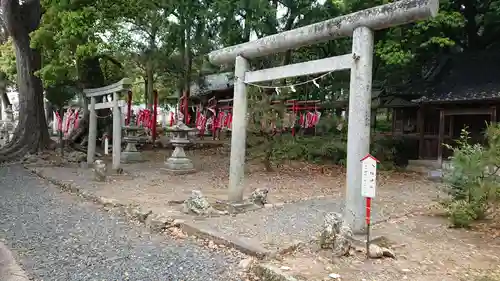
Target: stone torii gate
point(360, 25)
point(116, 104)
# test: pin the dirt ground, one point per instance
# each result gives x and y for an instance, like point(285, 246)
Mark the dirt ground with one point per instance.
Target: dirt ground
point(426, 248)
point(147, 184)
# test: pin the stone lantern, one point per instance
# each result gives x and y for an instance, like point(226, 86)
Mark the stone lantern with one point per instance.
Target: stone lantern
point(5, 132)
point(178, 162)
point(132, 138)
point(9, 113)
point(7, 126)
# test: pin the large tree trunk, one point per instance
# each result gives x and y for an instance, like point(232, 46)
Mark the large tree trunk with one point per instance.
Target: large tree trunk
point(31, 134)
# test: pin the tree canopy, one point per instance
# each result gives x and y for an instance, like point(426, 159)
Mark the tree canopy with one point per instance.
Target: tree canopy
point(162, 43)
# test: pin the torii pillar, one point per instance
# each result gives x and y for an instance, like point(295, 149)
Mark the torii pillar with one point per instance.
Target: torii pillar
point(361, 26)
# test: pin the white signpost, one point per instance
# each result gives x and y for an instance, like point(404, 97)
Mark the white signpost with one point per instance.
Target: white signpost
point(368, 176)
point(106, 144)
point(368, 190)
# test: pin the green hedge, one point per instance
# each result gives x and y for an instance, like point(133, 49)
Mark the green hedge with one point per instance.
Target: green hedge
point(392, 152)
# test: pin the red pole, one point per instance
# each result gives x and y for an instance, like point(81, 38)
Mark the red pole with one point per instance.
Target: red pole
point(368, 210)
point(295, 116)
point(129, 107)
point(368, 215)
point(155, 114)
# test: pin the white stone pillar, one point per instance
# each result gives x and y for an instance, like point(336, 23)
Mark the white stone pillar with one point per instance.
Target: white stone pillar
point(2, 109)
point(164, 119)
point(239, 132)
point(123, 117)
point(358, 136)
point(92, 132)
point(54, 123)
point(117, 132)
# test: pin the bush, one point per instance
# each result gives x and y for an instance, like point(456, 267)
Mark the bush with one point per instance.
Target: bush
point(330, 148)
point(393, 151)
point(314, 149)
point(461, 213)
point(472, 180)
point(328, 144)
point(383, 125)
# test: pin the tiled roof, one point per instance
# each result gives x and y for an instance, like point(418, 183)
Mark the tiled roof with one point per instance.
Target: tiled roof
point(466, 77)
point(213, 82)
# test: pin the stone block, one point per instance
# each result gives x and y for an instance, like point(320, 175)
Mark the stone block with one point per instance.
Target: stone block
point(131, 157)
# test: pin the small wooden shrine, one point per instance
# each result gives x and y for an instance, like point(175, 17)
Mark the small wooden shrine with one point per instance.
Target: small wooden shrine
point(464, 94)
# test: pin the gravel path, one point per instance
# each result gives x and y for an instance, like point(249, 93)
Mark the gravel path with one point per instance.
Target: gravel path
point(56, 236)
point(276, 228)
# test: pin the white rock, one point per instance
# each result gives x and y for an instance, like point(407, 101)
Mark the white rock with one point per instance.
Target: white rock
point(108, 201)
point(212, 245)
point(285, 268)
point(375, 252)
point(246, 263)
point(334, 275)
point(405, 270)
point(388, 253)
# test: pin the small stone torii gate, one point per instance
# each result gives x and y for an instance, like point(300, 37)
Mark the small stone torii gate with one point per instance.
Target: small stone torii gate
point(116, 89)
point(360, 25)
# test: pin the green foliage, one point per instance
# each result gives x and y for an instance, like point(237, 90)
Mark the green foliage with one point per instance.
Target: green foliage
point(60, 95)
point(265, 119)
point(167, 40)
point(473, 181)
point(383, 125)
point(68, 34)
point(384, 149)
point(461, 213)
point(328, 148)
point(8, 63)
point(328, 145)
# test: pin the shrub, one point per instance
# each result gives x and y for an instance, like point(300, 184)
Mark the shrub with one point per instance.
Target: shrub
point(461, 213)
point(393, 151)
point(327, 143)
point(472, 180)
point(383, 125)
point(330, 148)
